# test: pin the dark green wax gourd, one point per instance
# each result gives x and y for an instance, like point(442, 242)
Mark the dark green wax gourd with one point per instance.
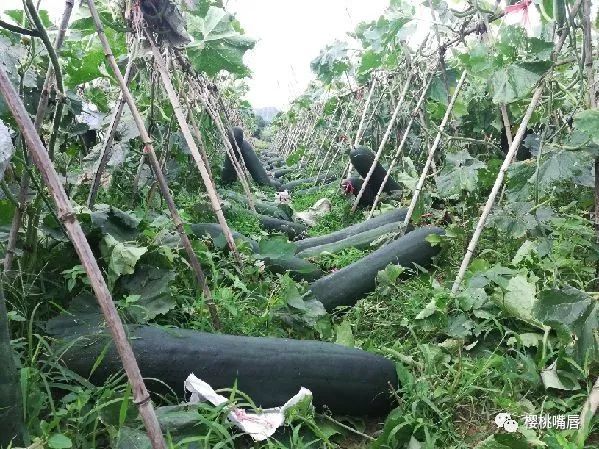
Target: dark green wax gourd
point(300, 182)
point(355, 184)
point(228, 173)
point(348, 381)
point(214, 231)
point(254, 165)
point(392, 216)
point(289, 228)
point(281, 172)
point(350, 284)
point(361, 240)
point(270, 209)
point(297, 268)
point(362, 159)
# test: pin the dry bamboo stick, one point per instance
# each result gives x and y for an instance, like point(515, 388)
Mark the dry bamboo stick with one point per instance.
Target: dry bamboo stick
point(193, 148)
point(432, 150)
point(350, 123)
point(42, 107)
point(383, 142)
point(404, 138)
point(151, 155)
point(360, 130)
point(65, 211)
point(332, 140)
point(536, 97)
point(106, 150)
point(240, 169)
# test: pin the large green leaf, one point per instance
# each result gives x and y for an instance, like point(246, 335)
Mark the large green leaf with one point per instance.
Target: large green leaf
point(574, 314)
point(152, 285)
point(459, 174)
point(332, 62)
point(122, 257)
point(516, 80)
point(560, 165)
point(587, 121)
point(109, 220)
point(519, 299)
point(219, 43)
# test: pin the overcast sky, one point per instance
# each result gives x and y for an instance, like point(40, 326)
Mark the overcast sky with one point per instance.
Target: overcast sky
point(290, 34)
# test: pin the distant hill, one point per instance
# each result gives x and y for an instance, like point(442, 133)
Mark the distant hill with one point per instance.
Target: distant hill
point(267, 113)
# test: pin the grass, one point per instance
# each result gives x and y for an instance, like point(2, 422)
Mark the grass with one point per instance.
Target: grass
point(451, 387)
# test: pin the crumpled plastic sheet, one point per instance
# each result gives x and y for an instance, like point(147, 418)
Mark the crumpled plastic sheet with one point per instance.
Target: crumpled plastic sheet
point(259, 425)
point(318, 210)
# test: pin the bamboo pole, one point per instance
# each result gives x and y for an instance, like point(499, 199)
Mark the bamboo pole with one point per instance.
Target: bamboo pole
point(360, 130)
point(402, 143)
point(67, 216)
point(384, 140)
point(193, 148)
point(432, 150)
point(240, 169)
point(536, 97)
point(106, 149)
point(42, 107)
point(332, 140)
point(151, 156)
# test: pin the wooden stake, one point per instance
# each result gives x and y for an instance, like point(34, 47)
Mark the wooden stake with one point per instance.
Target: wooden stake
point(432, 150)
point(42, 108)
point(151, 155)
point(536, 97)
point(399, 150)
point(193, 148)
point(67, 216)
point(383, 142)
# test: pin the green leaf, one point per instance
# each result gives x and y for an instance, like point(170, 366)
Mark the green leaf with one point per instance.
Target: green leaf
point(332, 62)
point(218, 45)
point(123, 257)
point(59, 441)
point(574, 314)
point(459, 174)
point(345, 335)
point(587, 121)
point(560, 165)
point(516, 80)
point(119, 224)
point(520, 298)
point(152, 285)
point(276, 247)
point(84, 65)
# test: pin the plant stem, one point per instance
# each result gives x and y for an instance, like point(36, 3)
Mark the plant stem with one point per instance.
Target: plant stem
point(42, 107)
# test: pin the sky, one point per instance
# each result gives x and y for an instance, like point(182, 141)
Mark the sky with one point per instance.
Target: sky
point(289, 33)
